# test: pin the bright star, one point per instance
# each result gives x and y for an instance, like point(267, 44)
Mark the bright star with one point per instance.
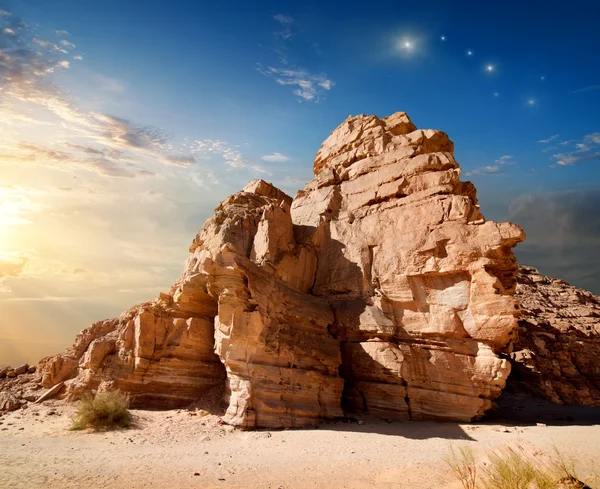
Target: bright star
point(443, 38)
point(531, 102)
point(542, 78)
point(469, 53)
point(489, 68)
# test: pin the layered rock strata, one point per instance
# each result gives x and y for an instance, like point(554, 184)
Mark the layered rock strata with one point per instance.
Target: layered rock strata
point(380, 288)
point(557, 354)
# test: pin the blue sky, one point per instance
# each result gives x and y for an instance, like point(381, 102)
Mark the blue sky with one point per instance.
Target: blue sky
point(123, 124)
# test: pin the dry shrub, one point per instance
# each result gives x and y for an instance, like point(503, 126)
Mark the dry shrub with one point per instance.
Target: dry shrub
point(105, 411)
point(514, 470)
point(464, 466)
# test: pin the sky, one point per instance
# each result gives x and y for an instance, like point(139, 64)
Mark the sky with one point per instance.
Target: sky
point(124, 124)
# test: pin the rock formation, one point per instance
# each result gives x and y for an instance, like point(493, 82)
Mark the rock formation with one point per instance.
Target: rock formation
point(380, 288)
point(557, 354)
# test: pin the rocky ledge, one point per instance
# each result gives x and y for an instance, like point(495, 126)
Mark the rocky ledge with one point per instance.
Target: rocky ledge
point(379, 288)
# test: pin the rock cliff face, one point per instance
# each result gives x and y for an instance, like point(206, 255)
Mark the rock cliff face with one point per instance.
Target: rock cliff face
point(380, 288)
point(557, 355)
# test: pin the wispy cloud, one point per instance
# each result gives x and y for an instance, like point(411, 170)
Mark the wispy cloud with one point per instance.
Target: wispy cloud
point(276, 158)
point(309, 86)
point(113, 144)
point(230, 154)
point(587, 89)
point(550, 139)
point(506, 160)
point(485, 170)
point(587, 149)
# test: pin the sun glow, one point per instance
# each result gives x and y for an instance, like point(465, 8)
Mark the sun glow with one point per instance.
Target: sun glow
point(15, 208)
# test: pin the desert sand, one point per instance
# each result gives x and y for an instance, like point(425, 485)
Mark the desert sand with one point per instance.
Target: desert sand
point(191, 449)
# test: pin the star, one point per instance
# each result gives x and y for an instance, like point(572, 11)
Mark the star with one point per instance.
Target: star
point(443, 38)
point(542, 78)
point(496, 94)
point(469, 53)
point(489, 68)
point(531, 102)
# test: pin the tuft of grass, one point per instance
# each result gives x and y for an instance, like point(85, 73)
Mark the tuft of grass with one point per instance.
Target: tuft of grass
point(514, 470)
point(464, 466)
point(105, 411)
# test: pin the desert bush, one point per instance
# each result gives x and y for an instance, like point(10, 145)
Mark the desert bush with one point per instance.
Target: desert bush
point(105, 411)
point(463, 465)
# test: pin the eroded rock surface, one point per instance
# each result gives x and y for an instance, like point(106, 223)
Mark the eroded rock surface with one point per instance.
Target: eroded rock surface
point(557, 355)
point(380, 288)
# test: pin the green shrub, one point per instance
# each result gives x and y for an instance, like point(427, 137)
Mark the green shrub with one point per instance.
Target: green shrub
point(105, 411)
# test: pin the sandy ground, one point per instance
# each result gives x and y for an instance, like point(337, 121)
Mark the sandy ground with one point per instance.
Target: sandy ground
point(181, 449)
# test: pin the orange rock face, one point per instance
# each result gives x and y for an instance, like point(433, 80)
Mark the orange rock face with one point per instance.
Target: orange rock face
point(380, 288)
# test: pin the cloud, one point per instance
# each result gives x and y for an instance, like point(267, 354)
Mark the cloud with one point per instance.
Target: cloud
point(11, 265)
point(286, 23)
point(506, 160)
point(27, 87)
point(232, 156)
point(587, 89)
point(586, 150)
point(276, 158)
point(550, 139)
point(309, 86)
point(563, 234)
point(100, 163)
point(485, 170)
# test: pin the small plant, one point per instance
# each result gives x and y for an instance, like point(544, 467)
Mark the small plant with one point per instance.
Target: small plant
point(462, 463)
point(515, 471)
point(105, 411)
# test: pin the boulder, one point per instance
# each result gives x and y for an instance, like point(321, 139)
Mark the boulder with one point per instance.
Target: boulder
point(21, 369)
point(9, 402)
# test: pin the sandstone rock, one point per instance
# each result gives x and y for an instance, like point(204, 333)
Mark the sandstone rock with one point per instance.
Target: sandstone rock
point(8, 402)
point(380, 287)
point(11, 374)
point(4, 369)
point(32, 369)
point(21, 369)
point(557, 353)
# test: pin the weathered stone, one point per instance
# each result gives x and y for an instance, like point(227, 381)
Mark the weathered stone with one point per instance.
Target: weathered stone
point(21, 369)
point(557, 354)
point(8, 402)
point(380, 287)
point(4, 369)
